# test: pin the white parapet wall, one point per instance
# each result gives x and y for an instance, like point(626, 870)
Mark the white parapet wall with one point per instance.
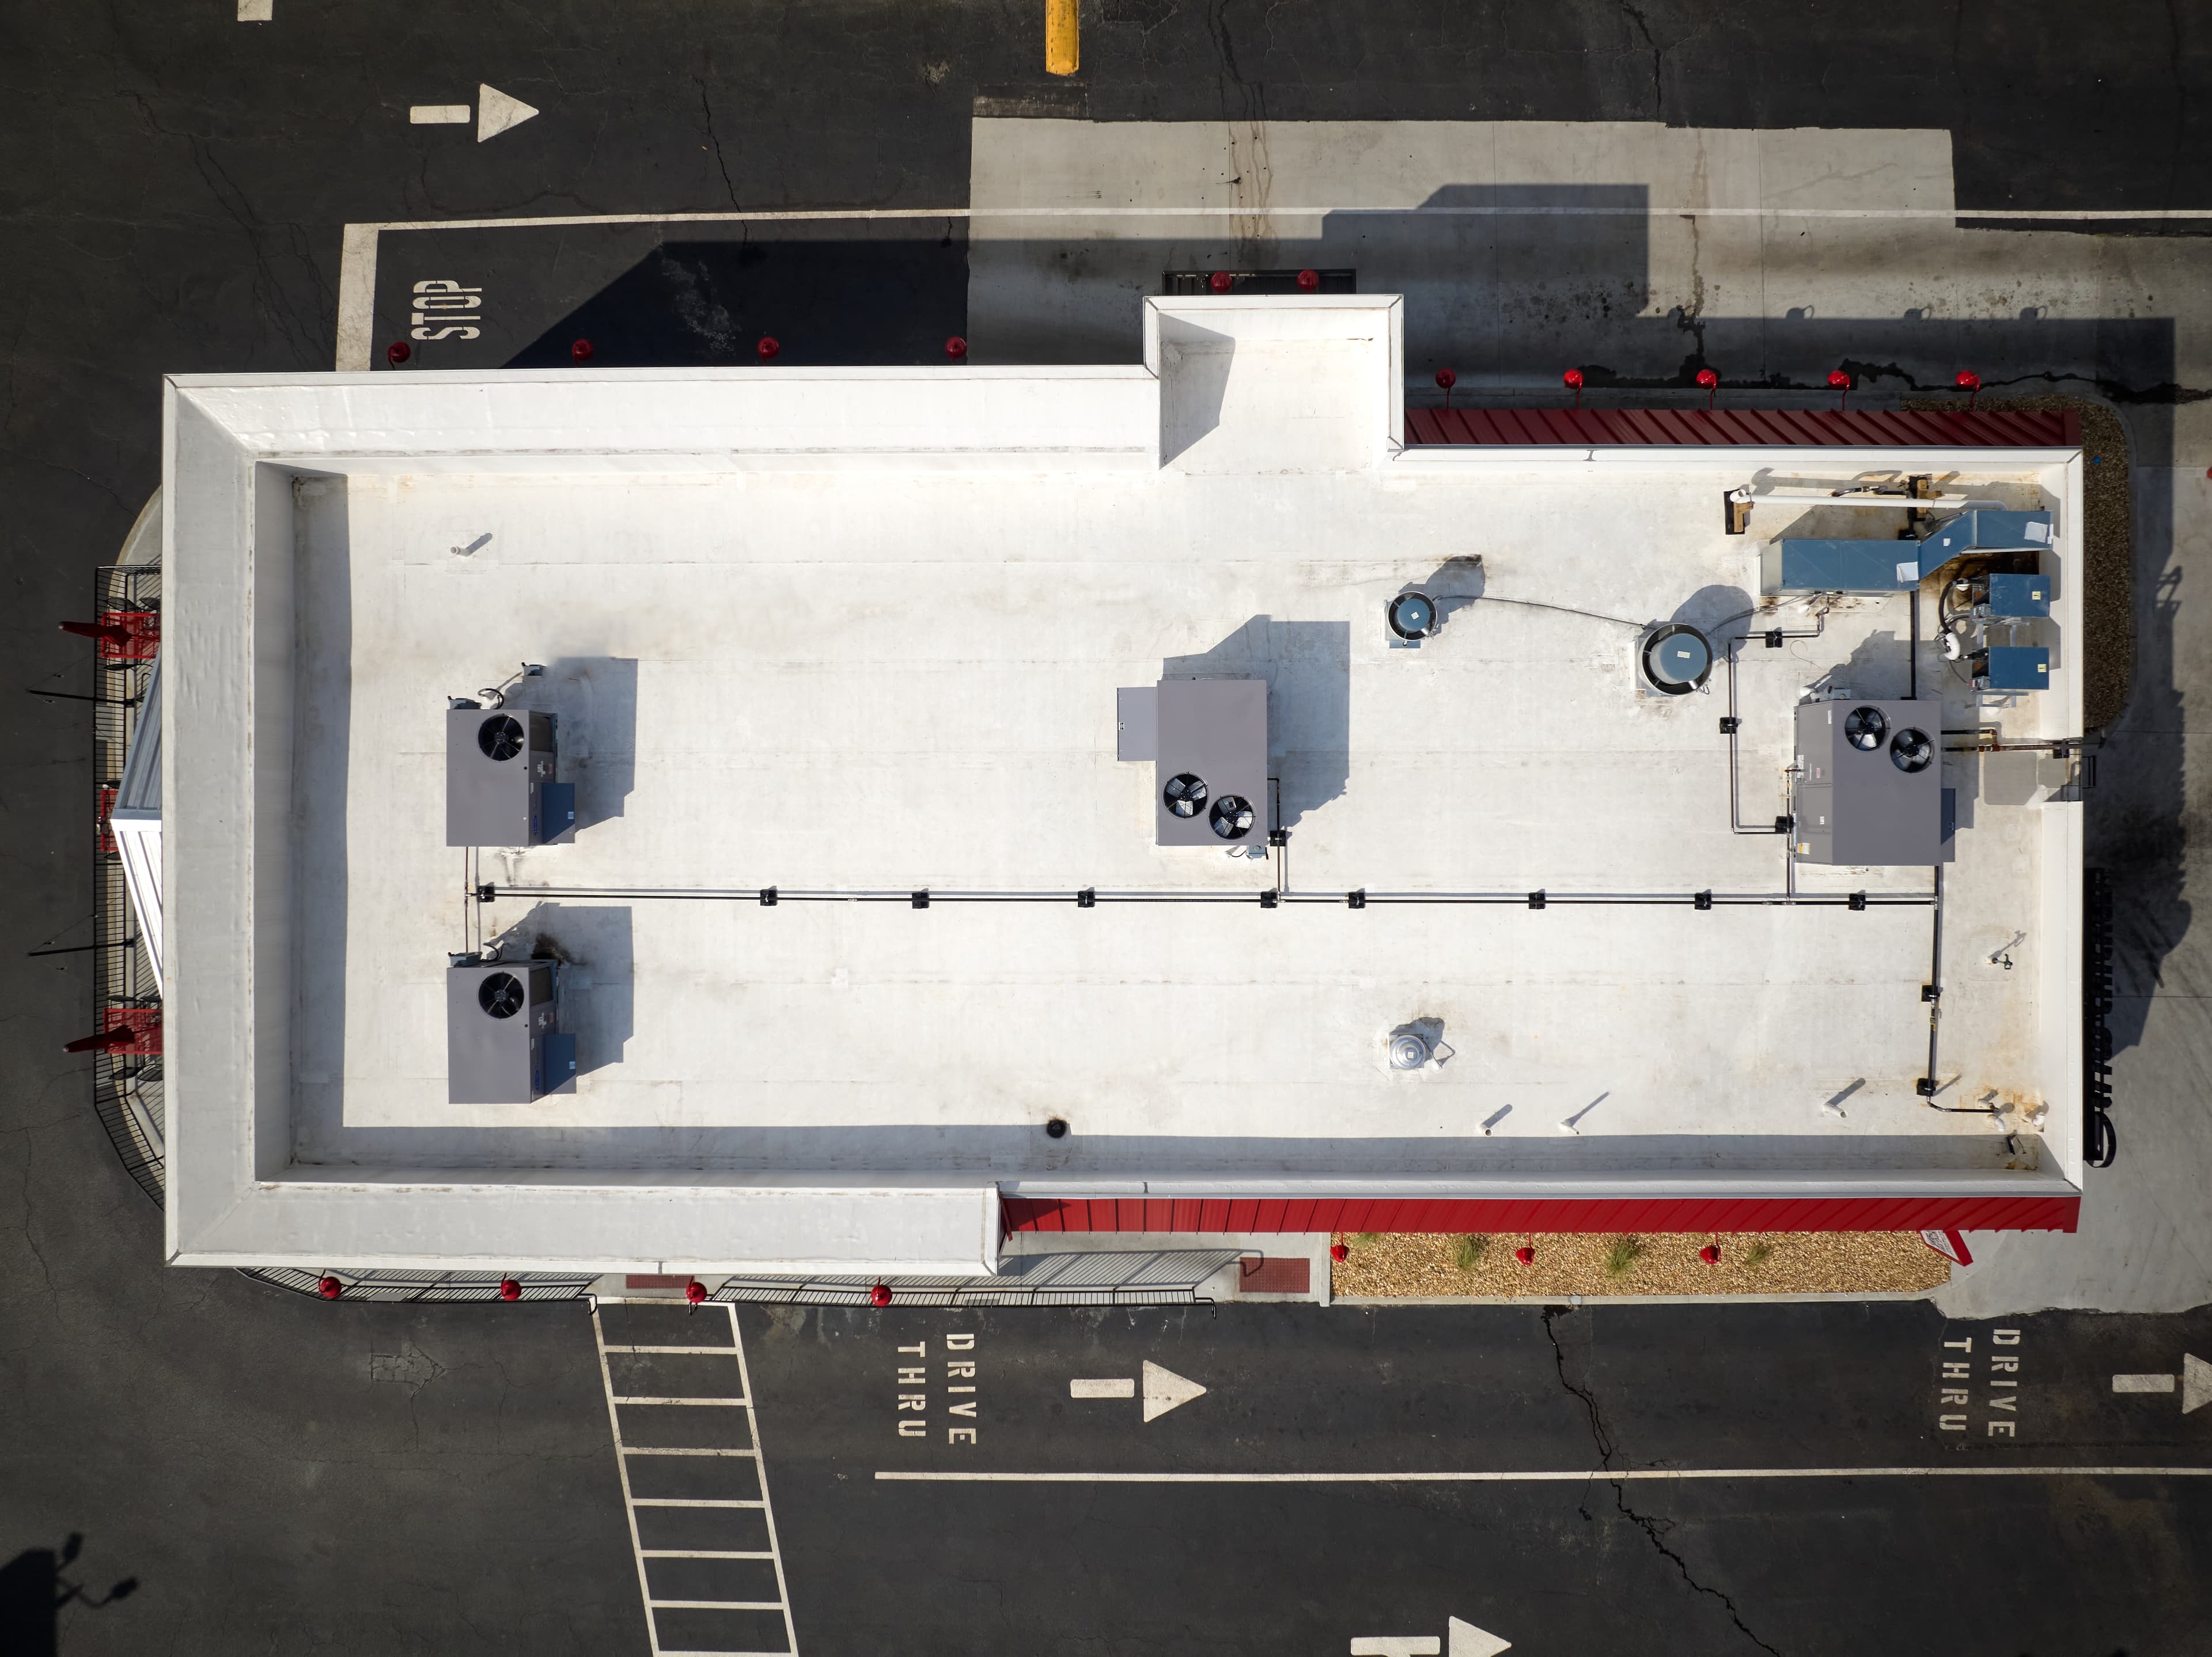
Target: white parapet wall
point(871, 624)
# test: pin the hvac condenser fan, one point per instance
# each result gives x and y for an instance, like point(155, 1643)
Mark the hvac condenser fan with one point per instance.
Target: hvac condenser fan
point(1231, 817)
point(500, 737)
point(1185, 795)
point(1910, 751)
point(1864, 728)
point(500, 995)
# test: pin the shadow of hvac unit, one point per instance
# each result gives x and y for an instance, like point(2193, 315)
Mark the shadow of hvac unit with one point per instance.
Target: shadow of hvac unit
point(500, 789)
point(503, 1045)
point(1869, 787)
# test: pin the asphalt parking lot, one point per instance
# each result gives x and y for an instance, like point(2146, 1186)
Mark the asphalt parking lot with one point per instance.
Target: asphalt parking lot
point(243, 1470)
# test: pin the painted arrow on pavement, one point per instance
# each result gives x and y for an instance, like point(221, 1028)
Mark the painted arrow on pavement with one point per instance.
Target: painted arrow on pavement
point(1463, 1640)
point(2196, 1378)
point(1164, 1390)
point(496, 111)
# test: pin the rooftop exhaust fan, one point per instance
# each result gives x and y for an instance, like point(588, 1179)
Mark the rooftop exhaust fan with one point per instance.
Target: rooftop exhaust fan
point(1675, 659)
point(1910, 751)
point(1232, 817)
point(1411, 616)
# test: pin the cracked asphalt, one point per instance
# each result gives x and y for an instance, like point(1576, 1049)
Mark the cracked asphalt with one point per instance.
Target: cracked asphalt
point(1602, 1556)
point(268, 1473)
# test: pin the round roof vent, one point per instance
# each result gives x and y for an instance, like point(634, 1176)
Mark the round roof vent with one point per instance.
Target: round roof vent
point(1864, 728)
point(1231, 817)
point(500, 994)
point(1677, 659)
point(1408, 1051)
point(1412, 615)
point(1185, 795)
point(499, 736)
point(1910, 751)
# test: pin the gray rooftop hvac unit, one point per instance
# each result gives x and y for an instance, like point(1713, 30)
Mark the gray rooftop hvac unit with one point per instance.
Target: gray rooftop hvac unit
point(500, 789)
point(1209, 761)
point(1870, 784)
point(503, 1043)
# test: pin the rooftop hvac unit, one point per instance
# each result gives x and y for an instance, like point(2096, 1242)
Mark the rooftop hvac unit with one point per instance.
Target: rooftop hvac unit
point(500, 789)
point(503, 1041)
point(1870, 783)
point(1854, 565)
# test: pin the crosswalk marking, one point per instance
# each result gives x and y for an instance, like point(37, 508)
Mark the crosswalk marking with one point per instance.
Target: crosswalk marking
point(616, 1402)
point(685, 1352)
point(738, 1403)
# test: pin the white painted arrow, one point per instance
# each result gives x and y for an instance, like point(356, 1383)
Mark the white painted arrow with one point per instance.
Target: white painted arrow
point(1469, 1641)
point(1465, 1640)
point(2196, 1378)
point(496, 111)
point(1164, 1390)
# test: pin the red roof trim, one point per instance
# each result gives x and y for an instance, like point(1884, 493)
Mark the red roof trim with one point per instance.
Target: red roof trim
point(2008, 1212)
point(1762, 428)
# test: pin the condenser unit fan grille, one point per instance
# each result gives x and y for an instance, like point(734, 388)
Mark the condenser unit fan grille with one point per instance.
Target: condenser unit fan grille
point(500, 995)
point(1231, 817)
point(1185, 795)
point(500, 737)
point(1864, 728)
point(1910, 751)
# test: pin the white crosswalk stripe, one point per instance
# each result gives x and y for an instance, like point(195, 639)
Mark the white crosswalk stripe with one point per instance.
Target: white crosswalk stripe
point(632, 1503)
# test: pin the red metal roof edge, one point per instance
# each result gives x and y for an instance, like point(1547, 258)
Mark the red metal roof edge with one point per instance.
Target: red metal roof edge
point(1995, 1211)
point(1758, 428)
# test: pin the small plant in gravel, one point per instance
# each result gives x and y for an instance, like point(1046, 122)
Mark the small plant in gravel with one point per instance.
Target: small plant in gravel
point(1467, 1252)
point(1622, 1252)
point(1759, 1253)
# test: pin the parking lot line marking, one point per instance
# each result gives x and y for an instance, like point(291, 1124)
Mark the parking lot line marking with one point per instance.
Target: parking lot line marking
point(1546, 1477)
point(691, 1501)
point(768, 1514)
point(688, 1553)
point(621, 1466)
point(440, 114)
point(639, 1450)
point(735, 1403)
point(715, 1605)
point(356, 298)
point(256, 11)
point(2142, 1383)
point(1111, 1386)
point(685, 1352)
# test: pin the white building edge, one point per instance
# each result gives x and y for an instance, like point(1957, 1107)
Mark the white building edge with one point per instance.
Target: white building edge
point(927, 584)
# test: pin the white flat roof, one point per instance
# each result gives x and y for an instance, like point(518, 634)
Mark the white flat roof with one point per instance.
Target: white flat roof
point(860, 634)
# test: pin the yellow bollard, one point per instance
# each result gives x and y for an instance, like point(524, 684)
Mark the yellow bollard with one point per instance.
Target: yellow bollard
point(1060, 56)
